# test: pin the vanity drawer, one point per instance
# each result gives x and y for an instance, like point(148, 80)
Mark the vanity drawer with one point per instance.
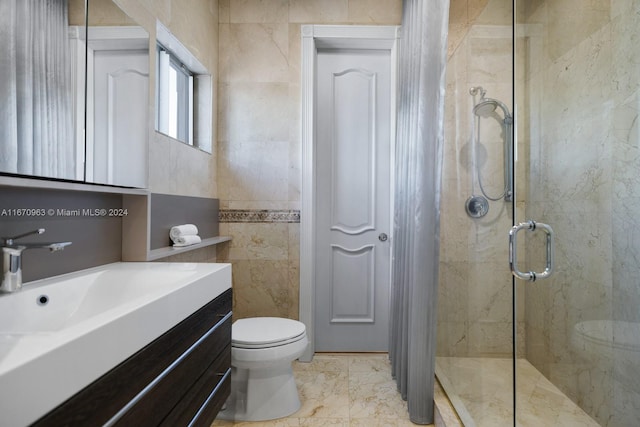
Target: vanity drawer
point(119, 388)
point(169, 388)
point(206, 397)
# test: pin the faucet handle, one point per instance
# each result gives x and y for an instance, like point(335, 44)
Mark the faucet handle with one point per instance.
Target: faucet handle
point(9, 240)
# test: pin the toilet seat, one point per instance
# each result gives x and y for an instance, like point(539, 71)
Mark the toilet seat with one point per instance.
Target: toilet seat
point(266, 332)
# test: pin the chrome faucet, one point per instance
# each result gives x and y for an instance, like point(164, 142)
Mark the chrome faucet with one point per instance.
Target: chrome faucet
point(12, 258)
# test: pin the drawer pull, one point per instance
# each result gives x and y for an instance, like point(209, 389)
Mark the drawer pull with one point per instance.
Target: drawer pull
point(211, 395)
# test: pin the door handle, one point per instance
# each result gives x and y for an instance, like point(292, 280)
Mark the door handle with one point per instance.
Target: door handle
point(530, 225)
point(383, 237)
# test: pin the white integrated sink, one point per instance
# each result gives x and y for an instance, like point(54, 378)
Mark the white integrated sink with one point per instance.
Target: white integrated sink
point(58, 335)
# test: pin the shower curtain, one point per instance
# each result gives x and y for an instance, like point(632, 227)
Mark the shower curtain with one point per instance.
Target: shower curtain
point(36, 125)
point(420, 123)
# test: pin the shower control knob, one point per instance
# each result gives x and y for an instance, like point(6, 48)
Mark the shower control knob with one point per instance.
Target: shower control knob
point(383, 237)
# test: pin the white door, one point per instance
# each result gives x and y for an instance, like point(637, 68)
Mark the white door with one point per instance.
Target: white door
point(352, 200)
point(119, 148)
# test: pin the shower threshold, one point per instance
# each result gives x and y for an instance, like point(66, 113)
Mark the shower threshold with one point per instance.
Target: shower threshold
point(480, 389)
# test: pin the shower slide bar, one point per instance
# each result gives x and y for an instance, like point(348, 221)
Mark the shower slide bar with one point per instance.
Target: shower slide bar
point(530, 225)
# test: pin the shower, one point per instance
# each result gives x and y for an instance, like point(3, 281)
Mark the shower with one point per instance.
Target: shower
point(486, 108)
point(576, 156)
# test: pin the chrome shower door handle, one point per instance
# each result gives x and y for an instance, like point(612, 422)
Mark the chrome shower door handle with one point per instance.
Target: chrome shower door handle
point(530, 225)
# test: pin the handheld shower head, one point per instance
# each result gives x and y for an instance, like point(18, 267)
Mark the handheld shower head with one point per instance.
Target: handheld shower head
point(487, 106)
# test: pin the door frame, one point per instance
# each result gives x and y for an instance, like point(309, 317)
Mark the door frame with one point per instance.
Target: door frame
point(383, 37)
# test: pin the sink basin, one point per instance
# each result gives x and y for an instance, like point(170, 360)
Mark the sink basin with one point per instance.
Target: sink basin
point(68, 302)
point(59, 334)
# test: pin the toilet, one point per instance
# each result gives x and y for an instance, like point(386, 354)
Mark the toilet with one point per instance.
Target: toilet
point(262, 383)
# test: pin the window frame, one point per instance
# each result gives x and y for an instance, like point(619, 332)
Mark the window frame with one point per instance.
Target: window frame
point(201, 112)
point(182, 129)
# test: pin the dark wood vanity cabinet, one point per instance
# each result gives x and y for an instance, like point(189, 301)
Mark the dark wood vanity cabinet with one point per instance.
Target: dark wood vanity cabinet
point(180, 379)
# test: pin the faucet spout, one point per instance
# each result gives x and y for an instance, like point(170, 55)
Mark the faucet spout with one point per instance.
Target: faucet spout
point(12, 258)
point(10, 240)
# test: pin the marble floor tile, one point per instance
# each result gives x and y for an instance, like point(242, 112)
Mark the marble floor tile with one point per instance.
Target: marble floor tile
point(343, 390)
point(323, 394)
point(374, 395)
point(283, 422)
point(376, 362)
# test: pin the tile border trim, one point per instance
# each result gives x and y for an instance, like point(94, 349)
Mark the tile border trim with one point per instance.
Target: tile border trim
point(258, 215)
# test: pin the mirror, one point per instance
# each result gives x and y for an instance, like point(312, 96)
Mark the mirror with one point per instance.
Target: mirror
point(43, 99)
point(117, 97)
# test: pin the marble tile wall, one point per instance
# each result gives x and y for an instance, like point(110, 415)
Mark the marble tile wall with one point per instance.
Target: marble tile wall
point(259, 151)
point(582, 105)
point(264, 252)
point(474, 306)
point(174, 167)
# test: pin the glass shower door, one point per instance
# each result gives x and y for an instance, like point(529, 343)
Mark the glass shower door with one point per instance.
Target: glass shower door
point(474, 361)
point(577, 94)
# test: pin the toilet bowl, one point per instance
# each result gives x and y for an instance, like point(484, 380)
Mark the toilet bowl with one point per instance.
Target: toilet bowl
point(262, 383)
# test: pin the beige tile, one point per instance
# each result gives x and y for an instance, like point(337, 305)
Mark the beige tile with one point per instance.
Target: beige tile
point(377, 422)
point(224, 11)
point(321, 422)
point(375, 395)
point(103, 12)
point(324, 363)
point(196, 26)
point(252, 11)
point(254, 52)
point(283, 422)
point(253, 171)
point(261, 289)
point(369, 363)
point(294, 288)
point(318, 11)
point(258, 241)
point(323, 394)
point(387, 12)
point(295, 53)
point(254, 112)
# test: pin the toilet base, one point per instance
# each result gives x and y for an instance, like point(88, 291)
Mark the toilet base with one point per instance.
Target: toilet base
point(261, 394)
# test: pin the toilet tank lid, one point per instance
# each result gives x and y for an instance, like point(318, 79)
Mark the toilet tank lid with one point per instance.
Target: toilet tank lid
point(265, 330)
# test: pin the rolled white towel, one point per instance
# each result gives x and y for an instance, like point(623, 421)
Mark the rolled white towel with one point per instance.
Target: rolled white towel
point(183, 230)
point(186, 240)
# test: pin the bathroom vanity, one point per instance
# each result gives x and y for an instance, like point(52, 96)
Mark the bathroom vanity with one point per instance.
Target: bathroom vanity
point(144, 344)
point(181, 378)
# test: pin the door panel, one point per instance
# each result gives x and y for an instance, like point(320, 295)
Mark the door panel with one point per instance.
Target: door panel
point(117, 146)
point(353, 151)
point(355, 302)
point(353, 200)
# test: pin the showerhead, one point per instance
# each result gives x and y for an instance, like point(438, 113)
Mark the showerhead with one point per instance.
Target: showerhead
point(485, 107)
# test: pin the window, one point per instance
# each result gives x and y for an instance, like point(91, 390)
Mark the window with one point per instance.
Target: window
point(175, 100)
point(183, 93)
